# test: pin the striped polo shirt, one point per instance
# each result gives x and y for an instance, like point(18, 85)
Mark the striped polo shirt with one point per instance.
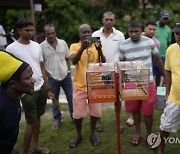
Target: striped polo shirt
point(139, 51)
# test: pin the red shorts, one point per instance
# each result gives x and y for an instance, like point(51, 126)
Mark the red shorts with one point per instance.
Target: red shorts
point(144, 106)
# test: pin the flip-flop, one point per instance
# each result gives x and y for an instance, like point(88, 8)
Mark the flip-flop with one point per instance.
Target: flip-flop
point(40, 150)
point(136, 139)
point(74, 142)
point(95, 140)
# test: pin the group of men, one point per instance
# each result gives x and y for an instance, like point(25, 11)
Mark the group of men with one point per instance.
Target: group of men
point(42, 70)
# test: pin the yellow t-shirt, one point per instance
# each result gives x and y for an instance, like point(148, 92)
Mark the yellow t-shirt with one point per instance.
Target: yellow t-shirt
point(88, 56)
point(172, 64)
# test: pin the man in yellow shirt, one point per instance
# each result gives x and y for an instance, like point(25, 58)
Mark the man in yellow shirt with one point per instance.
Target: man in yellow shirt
point(170, 118)
point(83, 53)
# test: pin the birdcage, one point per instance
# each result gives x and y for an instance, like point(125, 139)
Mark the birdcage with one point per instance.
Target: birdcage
point(133, 80)
point(101, 86)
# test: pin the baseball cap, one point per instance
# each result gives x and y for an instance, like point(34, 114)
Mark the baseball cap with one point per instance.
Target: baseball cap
point(177, 27)
point(164, 14)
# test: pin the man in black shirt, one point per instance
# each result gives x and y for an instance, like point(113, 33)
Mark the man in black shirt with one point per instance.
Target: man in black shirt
point(16, 79)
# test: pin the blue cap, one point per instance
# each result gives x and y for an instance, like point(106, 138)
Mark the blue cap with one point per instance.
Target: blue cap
point(164, 14)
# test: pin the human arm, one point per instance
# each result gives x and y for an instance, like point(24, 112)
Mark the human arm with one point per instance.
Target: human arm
point(45, 77)
point(68, 61)
point(75, 57)
point(67, 58)
point(168, 83)
point(159, 63)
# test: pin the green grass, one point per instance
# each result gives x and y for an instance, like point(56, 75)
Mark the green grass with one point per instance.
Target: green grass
point(58, 141)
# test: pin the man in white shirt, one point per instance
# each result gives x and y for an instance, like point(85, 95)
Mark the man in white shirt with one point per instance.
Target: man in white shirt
point(111, 38)
point(34, 105)
point(57, 64)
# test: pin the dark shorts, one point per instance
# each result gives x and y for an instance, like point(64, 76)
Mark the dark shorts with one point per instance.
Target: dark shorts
point(156, 71)
point(34, 105)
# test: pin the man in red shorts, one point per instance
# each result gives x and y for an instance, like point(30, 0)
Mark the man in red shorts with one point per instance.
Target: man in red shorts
point(141, 48)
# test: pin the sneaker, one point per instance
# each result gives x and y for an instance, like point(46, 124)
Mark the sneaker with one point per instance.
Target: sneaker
point(56, 124)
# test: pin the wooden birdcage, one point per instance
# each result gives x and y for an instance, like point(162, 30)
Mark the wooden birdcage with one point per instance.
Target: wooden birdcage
point(101, 86)
point(133, 80)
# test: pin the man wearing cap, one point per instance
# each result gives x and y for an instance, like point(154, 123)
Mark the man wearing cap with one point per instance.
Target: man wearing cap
point(170, 122)
point(16, 79)
point(163, 34)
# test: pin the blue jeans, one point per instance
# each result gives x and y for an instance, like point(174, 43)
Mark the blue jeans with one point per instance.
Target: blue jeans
point(66, 84)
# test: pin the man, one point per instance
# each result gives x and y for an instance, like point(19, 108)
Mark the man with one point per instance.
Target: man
point(57, 64)
point(163, 34)
point(170, 122)
point(110, 38)
point(83, 53)
point(34, 105)
point(141, 48)
point(149, 31)
point(16, 79)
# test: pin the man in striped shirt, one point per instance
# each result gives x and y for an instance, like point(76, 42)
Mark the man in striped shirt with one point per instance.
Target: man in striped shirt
point(141, 48)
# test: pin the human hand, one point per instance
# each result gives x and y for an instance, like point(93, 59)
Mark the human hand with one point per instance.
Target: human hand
point(85, 44)
point(51, 95)
point(98, 45)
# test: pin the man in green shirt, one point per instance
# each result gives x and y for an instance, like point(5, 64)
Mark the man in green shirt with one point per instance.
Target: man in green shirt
point(163, 34)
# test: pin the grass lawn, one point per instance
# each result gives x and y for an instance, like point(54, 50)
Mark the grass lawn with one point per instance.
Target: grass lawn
point(57, 141)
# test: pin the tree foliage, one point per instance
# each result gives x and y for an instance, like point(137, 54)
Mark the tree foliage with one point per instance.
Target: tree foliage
point(68, 15)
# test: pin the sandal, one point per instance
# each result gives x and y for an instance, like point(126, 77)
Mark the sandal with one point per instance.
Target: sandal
point(136, 139)
point(74, 142)
point(40, 150)
point(95, 140)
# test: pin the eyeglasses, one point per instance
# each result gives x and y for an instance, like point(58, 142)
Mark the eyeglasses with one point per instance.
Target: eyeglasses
point(177, 33)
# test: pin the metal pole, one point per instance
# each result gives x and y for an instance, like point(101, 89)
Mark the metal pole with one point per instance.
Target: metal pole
point(117, 111)
point(33, 18)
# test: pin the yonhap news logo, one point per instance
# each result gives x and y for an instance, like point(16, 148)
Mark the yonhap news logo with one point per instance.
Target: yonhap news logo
point(154, 140)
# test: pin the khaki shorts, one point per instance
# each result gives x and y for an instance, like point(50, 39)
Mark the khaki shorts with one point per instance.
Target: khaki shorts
point(34, 105)
point(80, 105)
point(170, 118)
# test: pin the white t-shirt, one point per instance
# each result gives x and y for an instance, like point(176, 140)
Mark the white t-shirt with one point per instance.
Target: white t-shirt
point(32, 54)
point(110, 44)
